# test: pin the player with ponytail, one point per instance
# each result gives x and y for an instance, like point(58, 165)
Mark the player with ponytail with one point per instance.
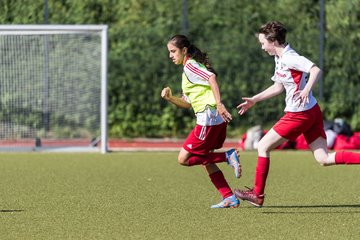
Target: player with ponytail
point(201, 92)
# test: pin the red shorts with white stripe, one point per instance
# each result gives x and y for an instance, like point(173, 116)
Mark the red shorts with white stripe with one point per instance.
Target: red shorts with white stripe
point(309, 122)
point(203, 139)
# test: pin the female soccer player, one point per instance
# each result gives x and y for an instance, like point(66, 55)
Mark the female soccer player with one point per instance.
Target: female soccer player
point(296, 75)
point(201, 92)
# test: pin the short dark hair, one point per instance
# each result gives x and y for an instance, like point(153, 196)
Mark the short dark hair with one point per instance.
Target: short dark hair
point(274, 31)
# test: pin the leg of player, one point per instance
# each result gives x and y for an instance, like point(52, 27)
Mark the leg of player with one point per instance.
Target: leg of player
point(183, 157)
point(217, 178)
point(231, 157)
point(322, 155)
point(255, 195)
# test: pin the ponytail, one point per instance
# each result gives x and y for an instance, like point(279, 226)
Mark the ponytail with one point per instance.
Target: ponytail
point(201, 57)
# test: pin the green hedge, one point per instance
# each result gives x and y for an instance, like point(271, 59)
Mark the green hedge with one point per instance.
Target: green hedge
point(139, 66)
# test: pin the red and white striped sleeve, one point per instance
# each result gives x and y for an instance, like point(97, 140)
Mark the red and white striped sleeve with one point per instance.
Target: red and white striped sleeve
point(197, 73)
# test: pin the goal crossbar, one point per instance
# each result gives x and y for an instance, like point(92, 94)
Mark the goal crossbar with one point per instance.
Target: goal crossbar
point(50, 29)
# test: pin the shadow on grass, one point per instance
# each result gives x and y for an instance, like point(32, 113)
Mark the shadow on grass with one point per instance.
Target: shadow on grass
point(318, 206)
point(11, 210)
point(313, 209)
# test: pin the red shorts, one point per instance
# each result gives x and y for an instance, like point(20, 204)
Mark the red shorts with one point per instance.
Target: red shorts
point(203, 139)
point(309, 122)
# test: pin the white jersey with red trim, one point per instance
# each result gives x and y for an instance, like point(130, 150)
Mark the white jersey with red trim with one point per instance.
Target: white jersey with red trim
point(292, 70)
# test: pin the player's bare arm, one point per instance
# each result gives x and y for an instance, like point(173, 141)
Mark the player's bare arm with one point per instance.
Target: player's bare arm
point(302, 96)
point(219, 105)
point(271, 91)
point(179, 102)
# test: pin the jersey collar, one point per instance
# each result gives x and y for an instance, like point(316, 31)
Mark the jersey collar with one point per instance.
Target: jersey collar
point(186, 58)
point(286, 49)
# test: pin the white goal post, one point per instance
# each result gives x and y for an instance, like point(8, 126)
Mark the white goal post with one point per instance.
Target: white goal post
point(53, 88)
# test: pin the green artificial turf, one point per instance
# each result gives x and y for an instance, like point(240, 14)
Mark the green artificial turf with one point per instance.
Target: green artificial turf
point(147, 195)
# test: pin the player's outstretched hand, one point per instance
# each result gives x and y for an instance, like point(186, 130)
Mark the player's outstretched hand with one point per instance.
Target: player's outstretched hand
point(166, 93)
point(243, 107)
point(221, 109)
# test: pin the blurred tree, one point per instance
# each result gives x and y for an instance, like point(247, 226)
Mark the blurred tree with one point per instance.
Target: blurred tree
point(139, 66)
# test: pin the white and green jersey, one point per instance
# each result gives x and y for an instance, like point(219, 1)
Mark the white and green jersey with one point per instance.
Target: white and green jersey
point(197, 91)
